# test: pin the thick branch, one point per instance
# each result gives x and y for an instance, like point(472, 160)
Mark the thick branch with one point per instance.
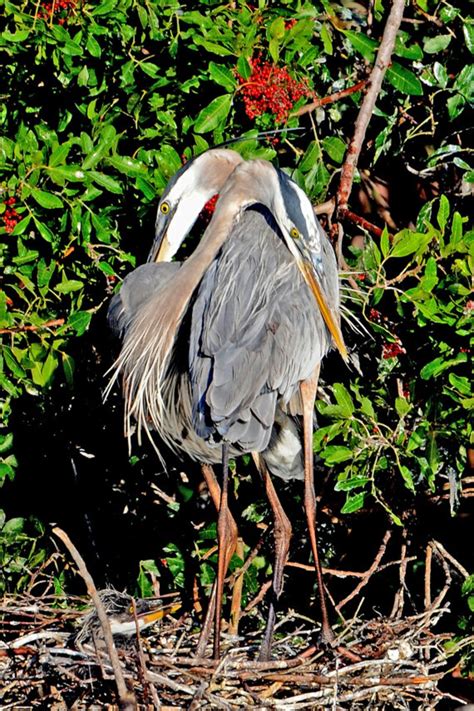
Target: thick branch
point(375, 82)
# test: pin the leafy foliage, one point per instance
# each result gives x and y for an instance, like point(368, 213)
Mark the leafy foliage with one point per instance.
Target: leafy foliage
point(101, 103)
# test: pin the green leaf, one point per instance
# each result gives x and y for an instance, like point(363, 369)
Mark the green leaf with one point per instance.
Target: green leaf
point(46, 200)
point(436, 44)
point(404, 80)
point(326, 38)
point(21, 226)
point(354, 503)
point(48, 368)
point(438, 365)
point(93, 47)
point(214, 114)
point(105, 181)
point(12, 363)
point(127, 165)
point(332, 454)
point(222, 76)
point(404, 243)
point(79, 321)
point(353, 483)
point(244, 68)
point(343, 399)
point(407, 477)
point(44, 231)
point(443, 212)
point(65, 287)
point(362, 44)
point(59, 155)
point(384, 242)
point(335, 148)
point(311, 157)
point(402, 406)
point(468, 31)
point(68, 368)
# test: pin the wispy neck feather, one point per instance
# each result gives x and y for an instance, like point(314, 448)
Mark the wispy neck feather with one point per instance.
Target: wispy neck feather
point(145, 356)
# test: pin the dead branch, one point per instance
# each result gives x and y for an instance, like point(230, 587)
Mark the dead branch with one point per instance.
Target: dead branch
point(455, 563)
point(382, 62)
point(127, 699)
point(368, 574)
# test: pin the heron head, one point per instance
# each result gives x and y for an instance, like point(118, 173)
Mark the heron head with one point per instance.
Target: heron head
point(258, 181)
point(184, 197)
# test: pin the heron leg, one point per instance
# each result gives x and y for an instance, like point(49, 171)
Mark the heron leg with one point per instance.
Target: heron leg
point(226, 544)
point(308, 395)
point(282, 534)
point(215, 492)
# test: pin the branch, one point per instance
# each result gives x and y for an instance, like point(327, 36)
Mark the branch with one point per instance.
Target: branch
point(47, 324)
point(368, 573)
point(375, 82)
point(330, 99)
point(126, 700)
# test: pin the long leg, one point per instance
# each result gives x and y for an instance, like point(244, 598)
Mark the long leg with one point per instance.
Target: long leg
point(232, 533)
point(226, 548)
point(308, 395)
point(282, 535)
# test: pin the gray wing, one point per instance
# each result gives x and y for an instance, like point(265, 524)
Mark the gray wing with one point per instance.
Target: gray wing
point(137, 287)
point(255, 334)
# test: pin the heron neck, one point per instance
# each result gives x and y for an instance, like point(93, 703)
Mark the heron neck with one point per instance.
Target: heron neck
point(195, 266)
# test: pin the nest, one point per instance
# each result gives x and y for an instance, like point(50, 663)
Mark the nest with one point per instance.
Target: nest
point(389, 663)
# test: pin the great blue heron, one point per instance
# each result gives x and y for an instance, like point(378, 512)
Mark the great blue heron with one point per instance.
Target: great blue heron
point(220, 351)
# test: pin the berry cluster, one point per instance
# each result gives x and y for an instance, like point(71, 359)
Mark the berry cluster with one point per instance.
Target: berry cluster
point(392, 350)
point(60, 9)
point(10, 216)
point(270, 89)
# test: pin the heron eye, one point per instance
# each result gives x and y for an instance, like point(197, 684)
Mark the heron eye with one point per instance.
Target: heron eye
point(164, 208)
point(294, 233)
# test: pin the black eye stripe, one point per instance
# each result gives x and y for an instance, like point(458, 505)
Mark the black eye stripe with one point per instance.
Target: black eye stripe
point(292, 202)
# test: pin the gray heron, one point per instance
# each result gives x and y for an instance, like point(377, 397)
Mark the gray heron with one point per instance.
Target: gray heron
point(220, 352)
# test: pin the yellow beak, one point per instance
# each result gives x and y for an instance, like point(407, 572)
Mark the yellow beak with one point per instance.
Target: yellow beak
point(326, 312)
point(163, 254)
point(159, 614)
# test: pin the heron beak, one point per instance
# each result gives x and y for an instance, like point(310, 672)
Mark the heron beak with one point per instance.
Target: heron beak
point(156, 615)
point(307, 269)
point(161, 253)
point(161, 249)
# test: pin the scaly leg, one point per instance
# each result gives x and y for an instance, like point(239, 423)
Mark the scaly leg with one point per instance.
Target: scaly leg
point(308, 395)
point(215, 492)
point(282, 535)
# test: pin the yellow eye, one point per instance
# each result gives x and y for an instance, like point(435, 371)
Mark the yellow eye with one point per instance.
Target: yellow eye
point(164, 208)
point(294, 233)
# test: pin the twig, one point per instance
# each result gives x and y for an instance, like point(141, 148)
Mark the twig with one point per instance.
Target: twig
point(399, 600)
point(428, 559)
point(456, 564)
point(362, 222)
point(259, 597)
point(368, 574)
point(126, 699)
point(368, 104)
point(47, 324)
point(330, 99)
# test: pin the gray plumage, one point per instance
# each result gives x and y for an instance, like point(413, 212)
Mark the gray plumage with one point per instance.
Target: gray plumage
point(251, 335)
